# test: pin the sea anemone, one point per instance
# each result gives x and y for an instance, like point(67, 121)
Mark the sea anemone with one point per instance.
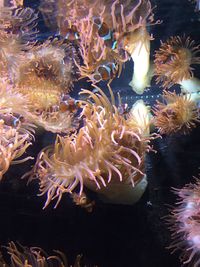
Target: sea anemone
point(11, 100)
point(55, 119)
point(121, 16)
point(138, 45)
point(178, 113)
point(106, 155)
point(141, 117)
point(44, 76)
point(20, 256)
point(14, 140)
point(136, 41)
point(51, 61)
point(101, 61)
point(127, 23)
point(18, 26)
point(104, 32)
point(16, 132)
point(184, 224)
point(17, 35)
point(17, 3)
point(173, 63)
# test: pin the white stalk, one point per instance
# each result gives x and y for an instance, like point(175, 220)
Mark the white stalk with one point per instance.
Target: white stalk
point(140, 113)
point(121, 193)
point(190, 86)
point(141, 58)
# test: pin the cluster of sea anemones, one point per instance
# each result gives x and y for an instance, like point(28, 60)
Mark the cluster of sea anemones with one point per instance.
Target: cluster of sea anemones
point(105, 31)
point(41, 73)
point(98, 146)
point(44, 76)
point(35, 80)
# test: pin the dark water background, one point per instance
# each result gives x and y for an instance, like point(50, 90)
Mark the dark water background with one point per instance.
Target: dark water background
point(112, 235)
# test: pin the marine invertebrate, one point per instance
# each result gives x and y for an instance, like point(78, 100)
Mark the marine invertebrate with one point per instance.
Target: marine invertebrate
point(16, 132)
point(173, 63)
point(121, 16)
point(137, 44)
point(56, 119)
point(17, 27)
point(105, 31)
point(178, 113)
point(11, 100)
point(184, 224)
point(18, 3)
point(101, 61)
point(43, 77)
point(106, 155)
point(50, 62)
point(50, 109)
point(130, 35)
point(14, 140)
point(20, 256)
point(141, 117)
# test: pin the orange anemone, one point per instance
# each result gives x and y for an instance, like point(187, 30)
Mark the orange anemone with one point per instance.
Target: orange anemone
point(20, 256)
point(174, 60)
point(107, 151)
point(178, 113)
point(13, 143)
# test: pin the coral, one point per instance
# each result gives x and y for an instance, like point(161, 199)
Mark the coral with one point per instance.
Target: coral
point(174, 60)
point(178, 114)
point(20, 256)
point(105, 151)
point(184, 224)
